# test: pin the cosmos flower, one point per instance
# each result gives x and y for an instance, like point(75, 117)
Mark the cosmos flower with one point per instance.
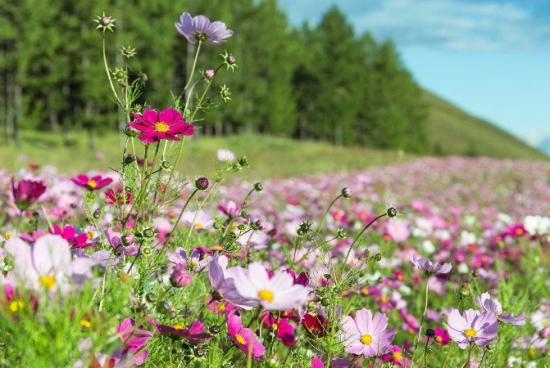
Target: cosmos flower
point(486, 304)
point(366, 335)
point(244, 338)
point(276, 293)
point(94, 183)
point(281, 327)
point(199, 28)
point(166, 125)
point(472, 326)
point(425, 264)
point(134, 338)
point(194, 333)
point(26, 192)
point(77, 241)
point(47, 266)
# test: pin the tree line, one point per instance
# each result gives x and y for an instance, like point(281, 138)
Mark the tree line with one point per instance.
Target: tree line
point(320, 82)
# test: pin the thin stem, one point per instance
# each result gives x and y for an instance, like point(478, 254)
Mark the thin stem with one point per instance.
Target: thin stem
point(182, 210)
point(194, 65)
point(108, 74)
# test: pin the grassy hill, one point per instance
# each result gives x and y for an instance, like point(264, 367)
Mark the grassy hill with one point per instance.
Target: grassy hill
point(452, 131)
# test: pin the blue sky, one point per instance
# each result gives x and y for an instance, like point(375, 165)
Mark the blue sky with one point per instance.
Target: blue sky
point(491, 58)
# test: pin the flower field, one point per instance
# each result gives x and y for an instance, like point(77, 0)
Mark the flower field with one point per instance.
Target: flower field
point(282, 273)
point(435, 262)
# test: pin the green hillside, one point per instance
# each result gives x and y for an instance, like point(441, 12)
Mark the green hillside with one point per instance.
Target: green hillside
point(452, 131)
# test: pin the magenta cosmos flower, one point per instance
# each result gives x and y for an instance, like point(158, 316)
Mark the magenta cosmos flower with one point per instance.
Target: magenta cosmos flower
point(366, 335)
point(244, 338)
point(473, 326)
point(199, 28)
point(94, 183)
point(26, 192)
point(135, 339)
point(425, 264)
point(495, 308)
point(165, 125)
point(276, 293)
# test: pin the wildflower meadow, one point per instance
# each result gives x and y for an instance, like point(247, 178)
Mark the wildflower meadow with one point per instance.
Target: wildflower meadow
point(439, 262)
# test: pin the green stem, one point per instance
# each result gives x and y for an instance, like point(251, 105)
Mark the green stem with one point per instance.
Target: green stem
point(108, 74)
point(194, 65)
point(182, 210)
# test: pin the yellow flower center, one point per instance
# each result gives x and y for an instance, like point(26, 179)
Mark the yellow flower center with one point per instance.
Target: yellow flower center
point(470, 333)
point(240, 339)
point(198, 225)
point(366, 339)
point(384, 299)
point(217, 247)
point(47, 281)
point(266, 295)
point(397, 356)
point(90, 234)
point(85, 323)
point(179, 326)
point(221, 307)
point(7, 236)
point(16, 305)
point(92, 183)
point(161, 127)
point(275, 327)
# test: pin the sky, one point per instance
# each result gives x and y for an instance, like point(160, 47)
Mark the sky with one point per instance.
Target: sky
point(490, 58)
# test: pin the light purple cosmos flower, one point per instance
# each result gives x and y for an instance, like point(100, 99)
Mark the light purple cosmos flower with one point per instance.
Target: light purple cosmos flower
point(366, 335)
point(276, 293)
point(199, 28)
point(425, 264)
point(223, 282)
point(472, 326)
point(47, 265)
point(486, 304)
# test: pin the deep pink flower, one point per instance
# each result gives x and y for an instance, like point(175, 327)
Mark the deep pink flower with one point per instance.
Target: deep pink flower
point(199, 28)
point(425, 264)
point(116, 196)
point(77, 241)
point(317, 363)
point(194, 334)
point(472, 326)
point(395, 357)
point(365, 334)
point(316, 325)
point(165, 125)
point(441, 336)
point(94, 183)
point(244, 338)
point(283, 330)
point(26, 192)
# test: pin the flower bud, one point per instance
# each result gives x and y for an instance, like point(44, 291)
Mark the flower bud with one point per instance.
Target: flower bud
point(346, 192)
point(231, 60)
point(149, 233)
point(464, 291)
point(163, 307)
point(180, 278)
point(150, 297)
point(201, 183)
point(199, 352)
point(105, 21)
point(214, 329)
point(209, 73)
point(392, 212)
point(258, 187)
point(261, 224)
point(127, 239)
point(430, 332)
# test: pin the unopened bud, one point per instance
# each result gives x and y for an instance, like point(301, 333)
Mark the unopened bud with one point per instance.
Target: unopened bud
point(346, 192)
point(392, 212)
point(127, 239)
point(430, 332)
point(105, 21)
point(258, 187)
point(231, 59)
point(261, 224)
point(209, 73)
point(201, 183)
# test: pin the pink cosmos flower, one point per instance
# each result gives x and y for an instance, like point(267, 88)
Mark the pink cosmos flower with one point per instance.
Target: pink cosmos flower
point(134, 339)
point(47, 265)
point(398, 230)
point(317, 363)
point(366, 335)
point(473, 326)
point(425, 264)
point(165, 125)
point(395, 357)
point(199, 28)
point(276, 293)
point(26, 192)
point(244, 338)
point(486, 304)
point(117, 196)
point(94, 183)
point(441, 336)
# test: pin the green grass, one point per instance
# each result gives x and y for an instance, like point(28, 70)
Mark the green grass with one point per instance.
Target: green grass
point(458, 133)
point(270, 157)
